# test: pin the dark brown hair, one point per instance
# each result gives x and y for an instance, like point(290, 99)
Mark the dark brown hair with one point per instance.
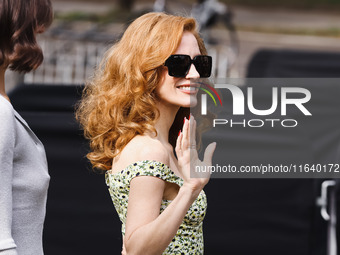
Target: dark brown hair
point(20, 20)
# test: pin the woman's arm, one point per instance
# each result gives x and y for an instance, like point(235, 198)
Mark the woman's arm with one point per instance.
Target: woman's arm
point(7, 142)
point(147, 231)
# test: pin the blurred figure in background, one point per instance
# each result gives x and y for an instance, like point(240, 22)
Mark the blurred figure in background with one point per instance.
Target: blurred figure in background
point(24, 177)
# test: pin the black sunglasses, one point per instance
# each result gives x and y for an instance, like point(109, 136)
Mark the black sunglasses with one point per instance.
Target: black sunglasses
point(179, 65)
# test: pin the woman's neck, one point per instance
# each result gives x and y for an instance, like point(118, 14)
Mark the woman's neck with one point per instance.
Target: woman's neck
point(165, 121)
point(2, 82)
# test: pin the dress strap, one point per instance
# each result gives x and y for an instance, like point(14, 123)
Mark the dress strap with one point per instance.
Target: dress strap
point(145, 168)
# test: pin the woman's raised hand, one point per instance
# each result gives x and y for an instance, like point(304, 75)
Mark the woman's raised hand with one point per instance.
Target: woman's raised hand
point(188, 160)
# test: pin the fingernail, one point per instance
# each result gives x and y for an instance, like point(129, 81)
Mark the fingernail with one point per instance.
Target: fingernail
point(179, 132)
point(189, 116)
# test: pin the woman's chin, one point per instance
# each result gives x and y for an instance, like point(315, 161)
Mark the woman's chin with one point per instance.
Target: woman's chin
point(191, 103)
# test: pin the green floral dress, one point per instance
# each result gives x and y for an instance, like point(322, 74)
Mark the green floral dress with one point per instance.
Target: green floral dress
point(189, 237)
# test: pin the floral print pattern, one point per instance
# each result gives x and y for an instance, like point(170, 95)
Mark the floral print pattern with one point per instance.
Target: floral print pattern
point(189, 237)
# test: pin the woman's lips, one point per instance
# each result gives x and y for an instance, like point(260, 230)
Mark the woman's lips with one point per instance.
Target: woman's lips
point(188, 88)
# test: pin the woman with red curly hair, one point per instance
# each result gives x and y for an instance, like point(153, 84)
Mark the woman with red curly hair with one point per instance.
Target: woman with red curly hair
point(133, 113)
point(24, 177)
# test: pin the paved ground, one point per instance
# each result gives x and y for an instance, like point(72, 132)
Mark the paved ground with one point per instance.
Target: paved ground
point(286, 18)
point(280, 18)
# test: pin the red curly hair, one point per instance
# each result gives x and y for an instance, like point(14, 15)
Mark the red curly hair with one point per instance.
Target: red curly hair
point(120, 102)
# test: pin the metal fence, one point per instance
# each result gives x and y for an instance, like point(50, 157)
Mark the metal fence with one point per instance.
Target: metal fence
point(70, 57)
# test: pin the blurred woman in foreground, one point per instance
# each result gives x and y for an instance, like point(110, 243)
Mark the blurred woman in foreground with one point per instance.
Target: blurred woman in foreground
point(24, 177)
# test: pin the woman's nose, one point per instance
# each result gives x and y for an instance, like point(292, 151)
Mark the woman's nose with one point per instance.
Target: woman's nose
point(192, 73)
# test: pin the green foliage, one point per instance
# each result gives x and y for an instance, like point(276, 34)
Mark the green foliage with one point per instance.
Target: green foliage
point(328, 32)
point(309, 4)
point(112, 15)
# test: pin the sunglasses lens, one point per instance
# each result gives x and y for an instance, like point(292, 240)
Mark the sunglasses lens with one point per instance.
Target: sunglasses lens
point(203, 65)
point(178, 65)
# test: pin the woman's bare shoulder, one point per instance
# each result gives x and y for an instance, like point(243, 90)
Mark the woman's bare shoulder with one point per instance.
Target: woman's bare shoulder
point(141, 148)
